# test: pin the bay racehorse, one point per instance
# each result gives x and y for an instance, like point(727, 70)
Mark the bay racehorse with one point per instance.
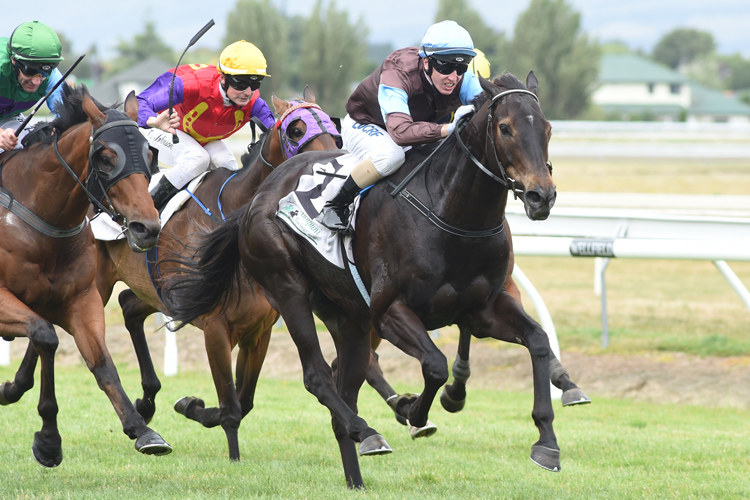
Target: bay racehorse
point(433, 255)
point(302, 126)
point(90, 154)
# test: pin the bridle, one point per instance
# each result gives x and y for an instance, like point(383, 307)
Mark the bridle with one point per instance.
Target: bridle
point(504, 179)
point(123, 136)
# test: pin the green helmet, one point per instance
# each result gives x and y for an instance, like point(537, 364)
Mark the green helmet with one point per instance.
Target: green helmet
point(35, 42)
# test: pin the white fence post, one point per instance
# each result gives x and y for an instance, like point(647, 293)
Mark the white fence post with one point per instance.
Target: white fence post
point(170, 345)
point(4, 352)
point(544, 317)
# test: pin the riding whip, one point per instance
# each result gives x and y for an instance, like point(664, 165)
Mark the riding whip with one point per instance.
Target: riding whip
point(49, 93)
point(197, 36)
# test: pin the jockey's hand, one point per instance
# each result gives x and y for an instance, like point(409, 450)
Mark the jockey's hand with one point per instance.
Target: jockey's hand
point(8, 139)
point(162, 122)
point(460, 112)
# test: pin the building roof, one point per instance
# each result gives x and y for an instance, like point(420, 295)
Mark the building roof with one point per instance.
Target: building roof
point(145, 72)
point(714, 102)
point(632, 68)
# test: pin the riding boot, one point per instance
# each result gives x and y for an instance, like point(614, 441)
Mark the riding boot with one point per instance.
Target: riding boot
point(162, 192)
point(335, 213)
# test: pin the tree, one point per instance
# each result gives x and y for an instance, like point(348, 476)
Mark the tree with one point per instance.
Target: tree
point(260, 23)
point(548, 39)
point(683, 46)
point(144, 45)
point(332, 52)
point(737, 71)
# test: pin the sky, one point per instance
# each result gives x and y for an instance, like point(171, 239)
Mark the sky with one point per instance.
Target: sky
point(638, 23)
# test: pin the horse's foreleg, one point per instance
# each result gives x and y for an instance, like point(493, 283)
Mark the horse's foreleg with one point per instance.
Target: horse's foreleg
point(402, 328)
point(135, 311)
point(17, 320)
point(86, 324)
point(11, 392)
point(506, 320)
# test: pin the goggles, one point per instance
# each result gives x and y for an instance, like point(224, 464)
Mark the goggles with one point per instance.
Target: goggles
point(242, 82)
point(446, 68)
point(33, 69)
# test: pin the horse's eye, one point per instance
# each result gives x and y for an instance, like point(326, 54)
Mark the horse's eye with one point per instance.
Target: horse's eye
point(504, 129)
point(107, 162)
point(296, 133)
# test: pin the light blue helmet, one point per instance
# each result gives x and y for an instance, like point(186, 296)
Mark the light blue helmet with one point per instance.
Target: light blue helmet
point(448, 41)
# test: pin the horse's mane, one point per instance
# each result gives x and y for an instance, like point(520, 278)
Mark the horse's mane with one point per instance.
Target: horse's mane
point(506, 81)
point(253, 151)
point(70, 112)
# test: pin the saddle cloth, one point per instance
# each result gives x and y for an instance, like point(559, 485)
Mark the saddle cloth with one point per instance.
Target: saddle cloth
point(300, 207)
point(105, 229)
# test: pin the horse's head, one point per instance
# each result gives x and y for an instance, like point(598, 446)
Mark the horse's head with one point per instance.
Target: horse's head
point(120, 167)
point(302, 126)
point(517, 138)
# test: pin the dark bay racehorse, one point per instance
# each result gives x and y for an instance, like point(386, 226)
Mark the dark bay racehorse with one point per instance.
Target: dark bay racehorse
point(248, 323)
point(48, 265)
point(435, 255)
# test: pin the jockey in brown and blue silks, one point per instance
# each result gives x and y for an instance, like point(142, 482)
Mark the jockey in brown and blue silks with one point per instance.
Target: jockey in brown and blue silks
point(28, 67)
point(210, 104)
point(408, 100)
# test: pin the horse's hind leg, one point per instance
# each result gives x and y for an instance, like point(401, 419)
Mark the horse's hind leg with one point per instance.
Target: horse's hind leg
point(11, 392)
point(453, 397)
point(135, 311)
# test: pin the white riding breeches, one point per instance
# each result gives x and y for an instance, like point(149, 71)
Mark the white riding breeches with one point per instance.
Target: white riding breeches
point(371, 141)
point(187, 159)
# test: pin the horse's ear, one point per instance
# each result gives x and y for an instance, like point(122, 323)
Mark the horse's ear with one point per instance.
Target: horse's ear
point(308, 95)
point(532, 83)
point(131, 106)
point(279, 104)
point(92, 111)
point(487, 86)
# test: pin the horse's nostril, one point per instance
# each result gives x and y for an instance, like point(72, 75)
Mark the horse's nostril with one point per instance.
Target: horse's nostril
point(533, 198)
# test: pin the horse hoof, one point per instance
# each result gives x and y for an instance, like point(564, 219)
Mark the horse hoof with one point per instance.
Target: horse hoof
point(425, 431)
point(575, 397)
point(3, 401)
point(546, 458)
point(152, 443)
point(187, 403)
point(48, 456)
point(450, 404)
point(374, 445)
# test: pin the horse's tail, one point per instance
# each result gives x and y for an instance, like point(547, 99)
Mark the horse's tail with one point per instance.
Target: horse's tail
point(198, 285)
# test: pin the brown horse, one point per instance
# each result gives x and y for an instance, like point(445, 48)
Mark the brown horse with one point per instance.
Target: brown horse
point(431, 256)
point(48, 270)
point(248, 324)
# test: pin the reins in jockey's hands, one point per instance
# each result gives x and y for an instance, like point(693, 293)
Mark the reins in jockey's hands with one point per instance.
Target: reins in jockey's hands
point(461, 112)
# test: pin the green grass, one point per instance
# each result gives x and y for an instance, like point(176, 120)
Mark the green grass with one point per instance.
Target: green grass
point(610, 449)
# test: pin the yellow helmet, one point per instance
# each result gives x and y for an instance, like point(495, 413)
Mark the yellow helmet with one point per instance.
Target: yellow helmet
point(242, 58)
point(480, 65)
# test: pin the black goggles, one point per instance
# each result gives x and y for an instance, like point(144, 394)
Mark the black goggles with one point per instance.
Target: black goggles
point(446, 68)
point(33, 69)
point(242, 82)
